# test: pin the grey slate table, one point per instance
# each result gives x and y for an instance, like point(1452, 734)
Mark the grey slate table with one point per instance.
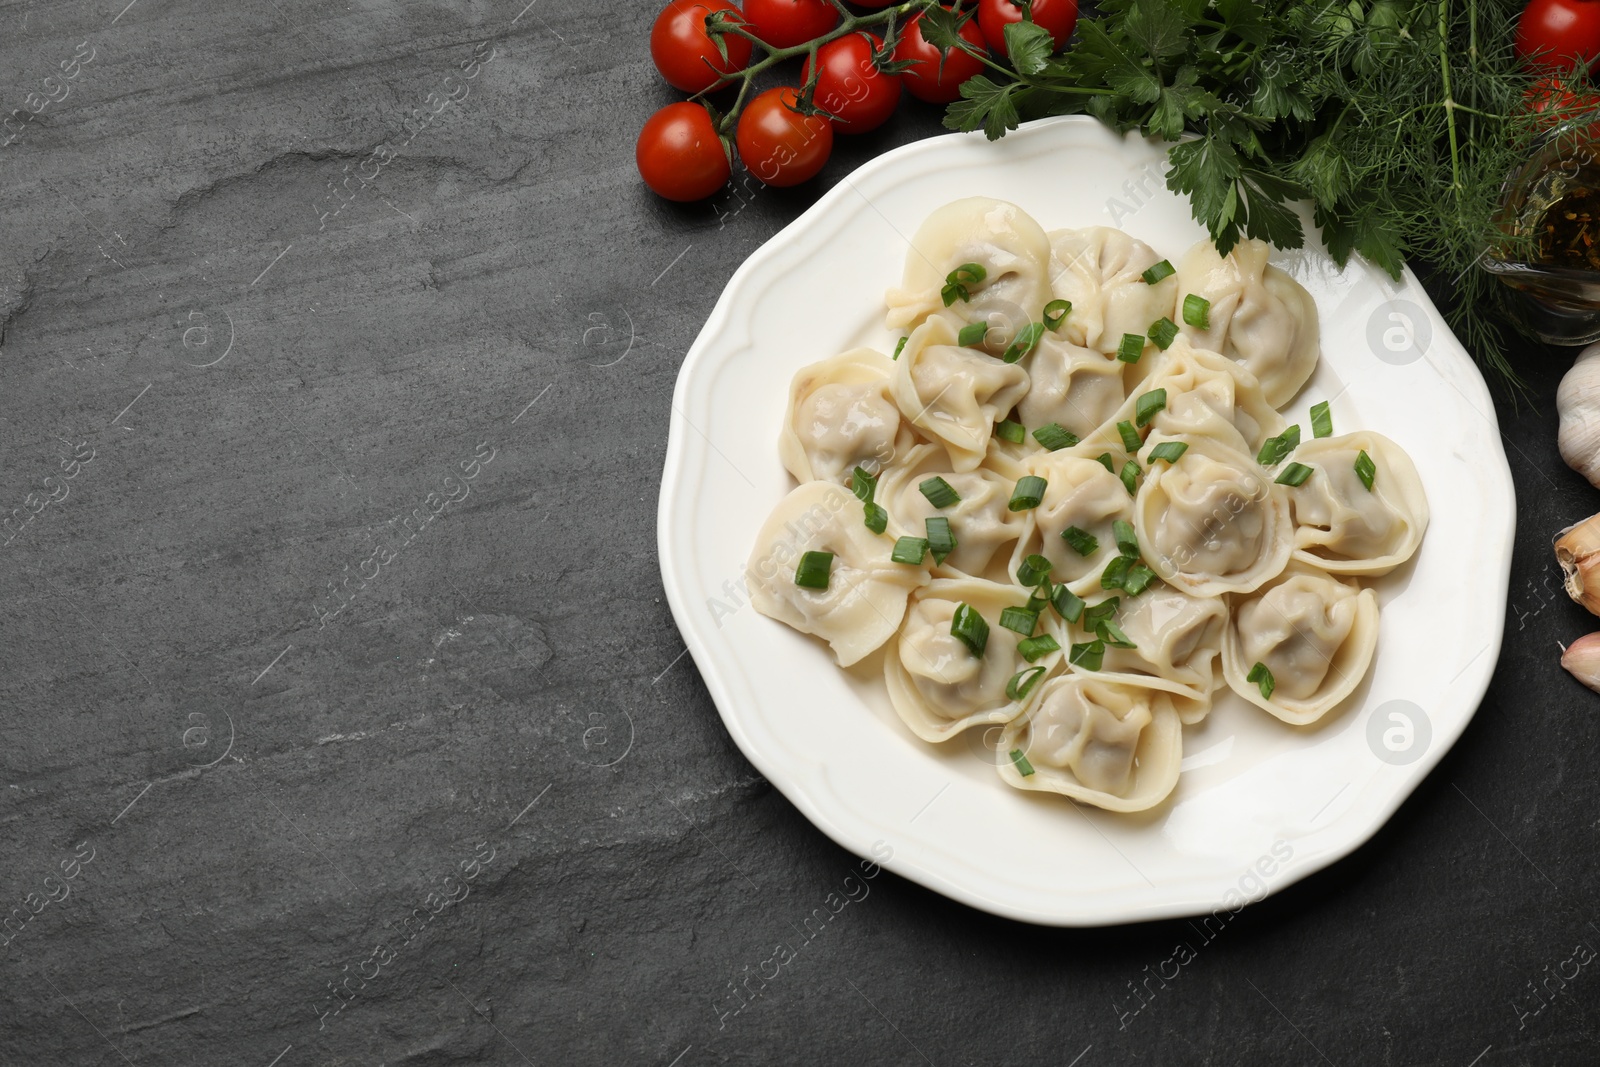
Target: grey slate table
point(341, 718)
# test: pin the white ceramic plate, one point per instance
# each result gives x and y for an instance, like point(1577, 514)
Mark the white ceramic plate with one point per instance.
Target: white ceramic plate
point(1260, 804)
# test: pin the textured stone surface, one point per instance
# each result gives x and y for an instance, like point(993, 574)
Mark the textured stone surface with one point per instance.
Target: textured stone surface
point(246, 794)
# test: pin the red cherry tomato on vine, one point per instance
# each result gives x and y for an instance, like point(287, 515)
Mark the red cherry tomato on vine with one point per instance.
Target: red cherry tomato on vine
point(685, 54)
point(926, 80)
point(1059, 17)
point(1559, 34)
point(786, 23)
point(778, 144)
point(850, 87)
point(679, 155)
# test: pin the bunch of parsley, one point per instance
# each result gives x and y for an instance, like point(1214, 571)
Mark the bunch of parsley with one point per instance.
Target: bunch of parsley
point(1399, 120)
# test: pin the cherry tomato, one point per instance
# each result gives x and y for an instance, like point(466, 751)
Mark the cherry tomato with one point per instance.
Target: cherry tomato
point(685, 54)
point(786, 23)
point(1057, 16)
point(925, 80)
point(1559, 34)
point(778, 144)
point(679, 155)
point(850, 87)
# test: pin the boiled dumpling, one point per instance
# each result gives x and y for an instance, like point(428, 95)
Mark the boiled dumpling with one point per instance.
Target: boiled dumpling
point(999, 237)
point(1212, 521)
point(983, 525)
point(842, 416)
point(1116, 744)
point(954, 394)
point(1177, 638)
point(1079, 492)
point(1313, 632)
point(1074, 387)
point(1101, 270)
point(1259, 315)
point(866, 595)
point(1344, 527)
point(936, 684)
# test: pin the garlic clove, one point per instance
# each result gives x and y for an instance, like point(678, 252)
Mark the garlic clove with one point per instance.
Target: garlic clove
point(1582, 660)
point(1578, 403)
point(1578, 553)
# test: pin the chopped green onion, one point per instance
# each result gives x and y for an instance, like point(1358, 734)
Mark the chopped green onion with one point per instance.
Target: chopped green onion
point(1019, 620)
point(956, 282)
point(1138, 579)
point(1169, 451)
point(1019, 686)
point(1111, 635)
point(1158, 272)
point(1274, 450)
point(1321, 420)
point(1088, 655)
point(1054, 436)
point(1366, 470)
point(940, 540)
point(1145, 408)
point(909, 550)
point(1130, 348)
point(1262, 677)
point(876, 518)
point(1127, 540)
point(1033, 570)
point(968, 627)
point(1115, 572)
point(1024, 768)
point(972, 333)
point(1197, 311)
point(1037, 647)
point(940, 493)
point(1130, 477)
point(1104, 459)
point(1068, 604)
point(1092, 617)
point(900, 347)
point(814, 570)
point(1040, 598)
point(1056, 312)
point(1131, 441)
point(1026, 340)
point(863, 484)
point(1011, 430)
point(1082, 541)
point(1163, 332)
point(1028, 493)
point(1294, 474)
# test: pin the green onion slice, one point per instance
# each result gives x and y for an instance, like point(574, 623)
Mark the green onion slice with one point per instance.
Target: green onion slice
point(814, 570)
point(1145, 409)
point(1111, 635)
point(1262, 677)
point(1082, 541)
point(1130, 477)
point(1131, 441)
point(1295, 474)
point(1092, 617)
point(968, 627)
point(1056, 312)
point(1274, 450)
point(1040, 598)
point(1024, 768)
point(1138, 579)
point(863, 484)
point(900, 347)
point(876, 518)
point(940, 493)
point(1321, 420)
point(1020, 620)
point(1054, 436)
point(1158, 272)
point(1088, 655)
point(972, 333)
point(1163, 332)
point(1028, 493)
point(1197, 311)
point(956, 282)
point(1115, 572)
point(909, 550)
point(1104, 459)
point(941, 541)
point(1026, 340)
point(1127, 540)
point(1017, 689)
point(1130, 348)
point(1011, 430)
point(1035, 648)
point(1068, 604)
point(1169, 451)
point(1366, 470)
point(1033, 570)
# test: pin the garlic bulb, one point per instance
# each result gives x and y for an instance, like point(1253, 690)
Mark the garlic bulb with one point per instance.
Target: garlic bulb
point(1582, 659)
point(1578, 403)
point(1578, 552)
